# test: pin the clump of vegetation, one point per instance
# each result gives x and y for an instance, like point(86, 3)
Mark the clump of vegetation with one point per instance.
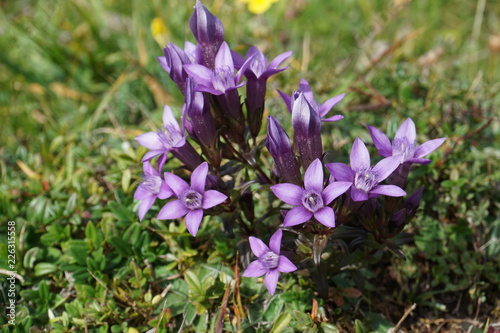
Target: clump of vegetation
point(70, 167)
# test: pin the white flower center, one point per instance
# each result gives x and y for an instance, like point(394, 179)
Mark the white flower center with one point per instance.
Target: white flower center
point(152, 184)
point(312, 201)
point(365, 179)
point(223, 78)
point(169, 136)
point(270, 260)
point(404, 148)
point(192, 199)
point(257, 67)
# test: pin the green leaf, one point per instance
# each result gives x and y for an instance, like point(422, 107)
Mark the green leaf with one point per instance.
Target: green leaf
point(359, 327)
point(44, 268)
point(121, 212)
point(193, 282)
point(30, 257)
point(329, 328)
point(281, 322)
point(126, 177)
point(121, 246)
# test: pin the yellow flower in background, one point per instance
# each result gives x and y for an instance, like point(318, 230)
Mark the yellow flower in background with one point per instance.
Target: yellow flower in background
point(258, 6)
point(159, 31)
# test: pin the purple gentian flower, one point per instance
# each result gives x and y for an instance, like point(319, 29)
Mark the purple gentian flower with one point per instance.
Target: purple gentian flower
point(221, 78)
point(257, 73)
point(321, 109)
point(200, 118)
point(258, 68)
point(169, 137)
point(404, 144)
point(191, 200)
point(269, 261)
point(222, 82)
point(365, 179)
point(208, 31)
point(152, 186)
point(311, 200)
point(174, 59)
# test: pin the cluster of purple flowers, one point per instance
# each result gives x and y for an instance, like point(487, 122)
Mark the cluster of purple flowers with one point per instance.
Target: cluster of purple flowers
point(218, 136)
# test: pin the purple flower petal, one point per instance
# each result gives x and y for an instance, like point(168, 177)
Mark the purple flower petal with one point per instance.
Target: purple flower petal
point(285, 265)
point(334, 190)
point(326, 217)
point(212, 198)
point(286, 98)
point(209, 89)
point(386, 166)
point(258, 247)
point(422, 161)
point(145, 205)
point(288, 193)
point(165, 191)
point(360, 158)
point(201, 74)
point(389, 190)
point(169, 120)
point(305, 88)
point(406, 130)
point(358, 195)
point(254, 269)
point(297, 216)
point(164, 64)
point(176, 183)
point(428, 147)
point(332, 119)
point(140, 193)
point(271, 280)
point(172, 210)
point(275, 241)
point(149, 169)
point(224, 58)
point(329, 104)
point(313, 178)
point(279, 59)
point(381, 141)
point(193, 220)
point(199, 177)
point(153, 153)
point(150, 140)
point(341, 171)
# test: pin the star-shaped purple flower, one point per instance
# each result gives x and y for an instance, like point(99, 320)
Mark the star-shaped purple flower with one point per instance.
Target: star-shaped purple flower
point(222, 78)
point(258, 69)
point(321, 109)
point(365, 179)
point(269, 261)
point(191, 200)
point(152, 186)
point(404, 144)
point(169, 137)
point(311, 200)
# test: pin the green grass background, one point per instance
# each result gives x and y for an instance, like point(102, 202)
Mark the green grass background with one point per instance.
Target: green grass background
point(79, 80)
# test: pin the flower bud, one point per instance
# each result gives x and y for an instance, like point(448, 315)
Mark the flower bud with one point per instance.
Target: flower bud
point(175, 58)
point(280, 149)
point(208, 31)
point(307, 130)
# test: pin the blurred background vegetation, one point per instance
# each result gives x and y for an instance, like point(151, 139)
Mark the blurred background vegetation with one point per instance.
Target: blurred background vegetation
point(79, 80)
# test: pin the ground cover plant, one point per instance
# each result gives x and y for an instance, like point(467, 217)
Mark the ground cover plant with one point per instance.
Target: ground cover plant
point(81, 81)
